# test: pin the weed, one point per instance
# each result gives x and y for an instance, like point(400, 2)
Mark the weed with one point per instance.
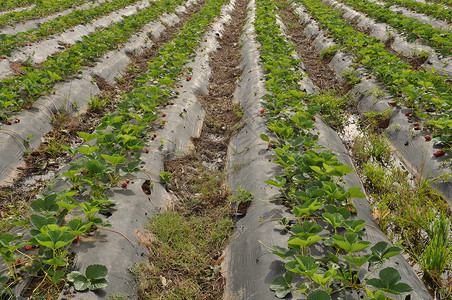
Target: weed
point(376, 92)
point(437, 255)
point(53, 147)
point(132, 68)
point(120, 80)
point(186, 246)
point(378, 120)
point(329, 52)
point(29, 61)
point(238, 110)
point(243, 196)
point(332, 108)
point(372, 146)
point(165, 177)
point(378, 176)
point(118, 297)
point(96, 104)
point(351, 77)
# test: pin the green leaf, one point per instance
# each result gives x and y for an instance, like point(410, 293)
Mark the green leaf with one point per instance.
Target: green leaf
point(46, 204)
point(278, 181)
point(343, 169)
point(38, 221)
point(57, 277)
point(77, 226)
point(388, 282)
point(114, 160)
point(308, 228)
point(357, 260)
point(81, 283)
point(87, 150)
point(319, 295)
point(350, 242)
point(382, 252)
point(304, 265)
point(355, 192)
point(98, 284)
point(4, 279)
point(307, 208)
point(71, 276)
point(281, 285)
point(284, 253)
point(377, 296)
point(335, 219)
point(57, 261)
point(298, 242)
point(68, 206)
point(264, 137)
point(86, 136)
point(96, 272)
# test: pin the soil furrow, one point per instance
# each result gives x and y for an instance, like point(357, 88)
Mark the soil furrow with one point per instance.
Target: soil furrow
point(198, 177)
point(316, 67)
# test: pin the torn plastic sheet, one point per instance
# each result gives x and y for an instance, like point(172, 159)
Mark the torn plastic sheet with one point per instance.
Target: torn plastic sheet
point(249, 267)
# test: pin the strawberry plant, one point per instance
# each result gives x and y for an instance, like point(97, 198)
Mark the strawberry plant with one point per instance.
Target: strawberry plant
point(311, 184)
point(399, 77)
point(11, 4)
point(59, 24)
point(37, 82)
point(439, 39)
point(44, 8)
point(430, 9)
point(93, 279)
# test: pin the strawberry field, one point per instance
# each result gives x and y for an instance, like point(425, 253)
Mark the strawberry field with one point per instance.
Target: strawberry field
point(243, 149)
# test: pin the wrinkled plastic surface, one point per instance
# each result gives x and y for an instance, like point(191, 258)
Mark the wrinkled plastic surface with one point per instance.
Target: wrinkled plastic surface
point(70, 96)
point(38, 52)
point(134, 207)
point(416, 154)
point(249, 267)
point(30, 24)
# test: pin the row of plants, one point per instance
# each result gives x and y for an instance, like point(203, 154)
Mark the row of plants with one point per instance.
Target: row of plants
point(42, 9)
point(431, 9)
point(414, 30)
point(6, 5)
point(109, 156)
point(13, 4)
point(58, 25)
point(312, 186)
point(444, 2)
point(426, 93)
point(20, 91)
point(410, 212)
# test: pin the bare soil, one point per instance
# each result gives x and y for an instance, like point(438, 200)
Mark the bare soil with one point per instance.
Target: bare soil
point(317, 69)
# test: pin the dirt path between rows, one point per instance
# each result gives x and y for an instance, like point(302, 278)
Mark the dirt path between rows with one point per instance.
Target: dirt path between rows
point(198, 180)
